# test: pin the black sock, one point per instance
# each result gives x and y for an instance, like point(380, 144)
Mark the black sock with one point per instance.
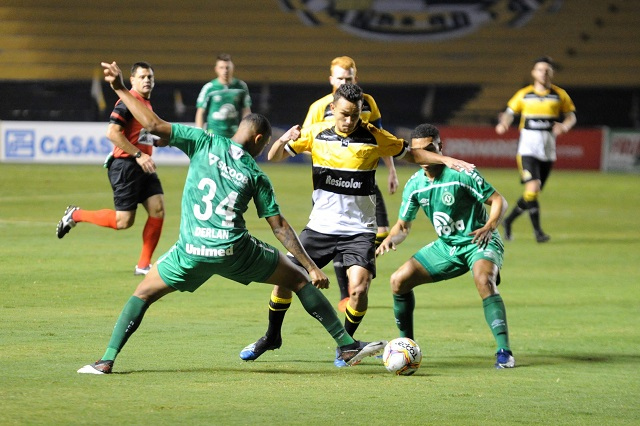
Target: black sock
point(534, 215)
point(277, 310)
point(352, 319)
point(520, 207)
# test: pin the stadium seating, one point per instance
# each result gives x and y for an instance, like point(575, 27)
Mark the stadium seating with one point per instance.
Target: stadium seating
point(596, 46)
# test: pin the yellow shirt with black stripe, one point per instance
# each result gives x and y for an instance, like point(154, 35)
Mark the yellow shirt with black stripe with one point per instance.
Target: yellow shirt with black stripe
point(538, 112)
point(343, 171)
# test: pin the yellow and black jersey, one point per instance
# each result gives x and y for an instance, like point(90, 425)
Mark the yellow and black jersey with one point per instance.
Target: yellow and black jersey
point(344, 168)
point(320, 111)
point(540, 110)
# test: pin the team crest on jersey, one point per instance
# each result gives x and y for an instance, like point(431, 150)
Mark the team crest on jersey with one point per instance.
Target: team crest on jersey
point(445, 225)
point(414, 20)
point(448, 199)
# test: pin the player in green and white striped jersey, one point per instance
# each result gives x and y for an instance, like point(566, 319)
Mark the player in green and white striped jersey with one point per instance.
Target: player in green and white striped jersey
point(468, 239)
point(223, 178)
point(223, 101)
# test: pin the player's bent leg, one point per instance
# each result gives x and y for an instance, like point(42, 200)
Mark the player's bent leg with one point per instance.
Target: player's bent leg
point(148, 291)
point(343, 282)
point(152, 287)
point(403, 280)
point(359, 283)
point(287, 278)
point(125, 219)
point(485, 275)
point(154, 206)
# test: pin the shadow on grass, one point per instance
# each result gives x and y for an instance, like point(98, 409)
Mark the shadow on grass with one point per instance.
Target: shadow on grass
point(280, 367)
point(555, 359)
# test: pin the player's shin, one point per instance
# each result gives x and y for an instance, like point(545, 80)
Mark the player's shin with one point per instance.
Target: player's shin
point(317, 305)
point(496, 316)
point(352, 319)
point(403, 306)
point(278, 307)
point(127, 323)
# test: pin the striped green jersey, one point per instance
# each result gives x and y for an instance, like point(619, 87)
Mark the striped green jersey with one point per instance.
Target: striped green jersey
point(223, 104)
point(222, 179)
point(454, 202)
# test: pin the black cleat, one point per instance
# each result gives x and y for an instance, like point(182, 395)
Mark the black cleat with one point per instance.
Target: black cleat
point(257, 348)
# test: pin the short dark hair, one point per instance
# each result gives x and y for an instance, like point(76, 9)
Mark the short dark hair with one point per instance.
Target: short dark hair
point(425, 130)
point(349, 91)
point(259, 123)
point(140, 64)
point(545, 59)
point(224, 57)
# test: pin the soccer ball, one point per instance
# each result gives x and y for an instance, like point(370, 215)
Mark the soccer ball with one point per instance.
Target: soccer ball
point(402, 356)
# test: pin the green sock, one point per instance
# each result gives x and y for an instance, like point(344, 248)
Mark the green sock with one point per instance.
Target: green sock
point(319, 307)
point(403, 306)
point(127, 324)
point(496, 316)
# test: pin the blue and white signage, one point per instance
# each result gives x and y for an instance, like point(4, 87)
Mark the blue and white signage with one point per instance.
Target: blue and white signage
point(65, 142)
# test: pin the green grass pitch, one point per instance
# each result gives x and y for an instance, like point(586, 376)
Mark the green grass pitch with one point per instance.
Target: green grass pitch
point(573, 307)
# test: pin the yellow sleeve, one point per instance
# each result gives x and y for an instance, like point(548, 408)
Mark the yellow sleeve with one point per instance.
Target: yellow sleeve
point(388, 144)
point(307, 135)
point(567, 103)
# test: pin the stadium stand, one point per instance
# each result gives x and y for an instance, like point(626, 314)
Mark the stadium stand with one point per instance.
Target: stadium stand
point(49, 51)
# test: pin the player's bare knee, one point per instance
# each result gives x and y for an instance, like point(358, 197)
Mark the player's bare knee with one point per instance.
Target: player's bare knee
point(356, 292)
point(396, 283)
point(486, 285)
point(124, 224)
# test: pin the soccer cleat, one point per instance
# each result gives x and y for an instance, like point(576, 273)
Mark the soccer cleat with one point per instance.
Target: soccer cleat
point(98, 367)
point(254, 350)
point(541, 237)
point(338, 362)
point(67, 222)
point(141, 271)
point(505, 359)
point(507, 230)
point(342, 305)
point(352, 356)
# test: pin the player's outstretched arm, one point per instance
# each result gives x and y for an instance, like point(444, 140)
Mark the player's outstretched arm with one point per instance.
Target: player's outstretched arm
point(421, 156)
point(289, 239)
point(277, 151)
point(398, 233)
point(499, 206)
point(146, 117)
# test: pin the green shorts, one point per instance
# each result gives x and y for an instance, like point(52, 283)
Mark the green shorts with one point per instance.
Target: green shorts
point(252, 260)
point(444, 262)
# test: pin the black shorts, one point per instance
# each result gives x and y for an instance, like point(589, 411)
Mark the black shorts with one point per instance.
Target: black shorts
point(357, 249)
point(131, 185)
point(533, 169)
